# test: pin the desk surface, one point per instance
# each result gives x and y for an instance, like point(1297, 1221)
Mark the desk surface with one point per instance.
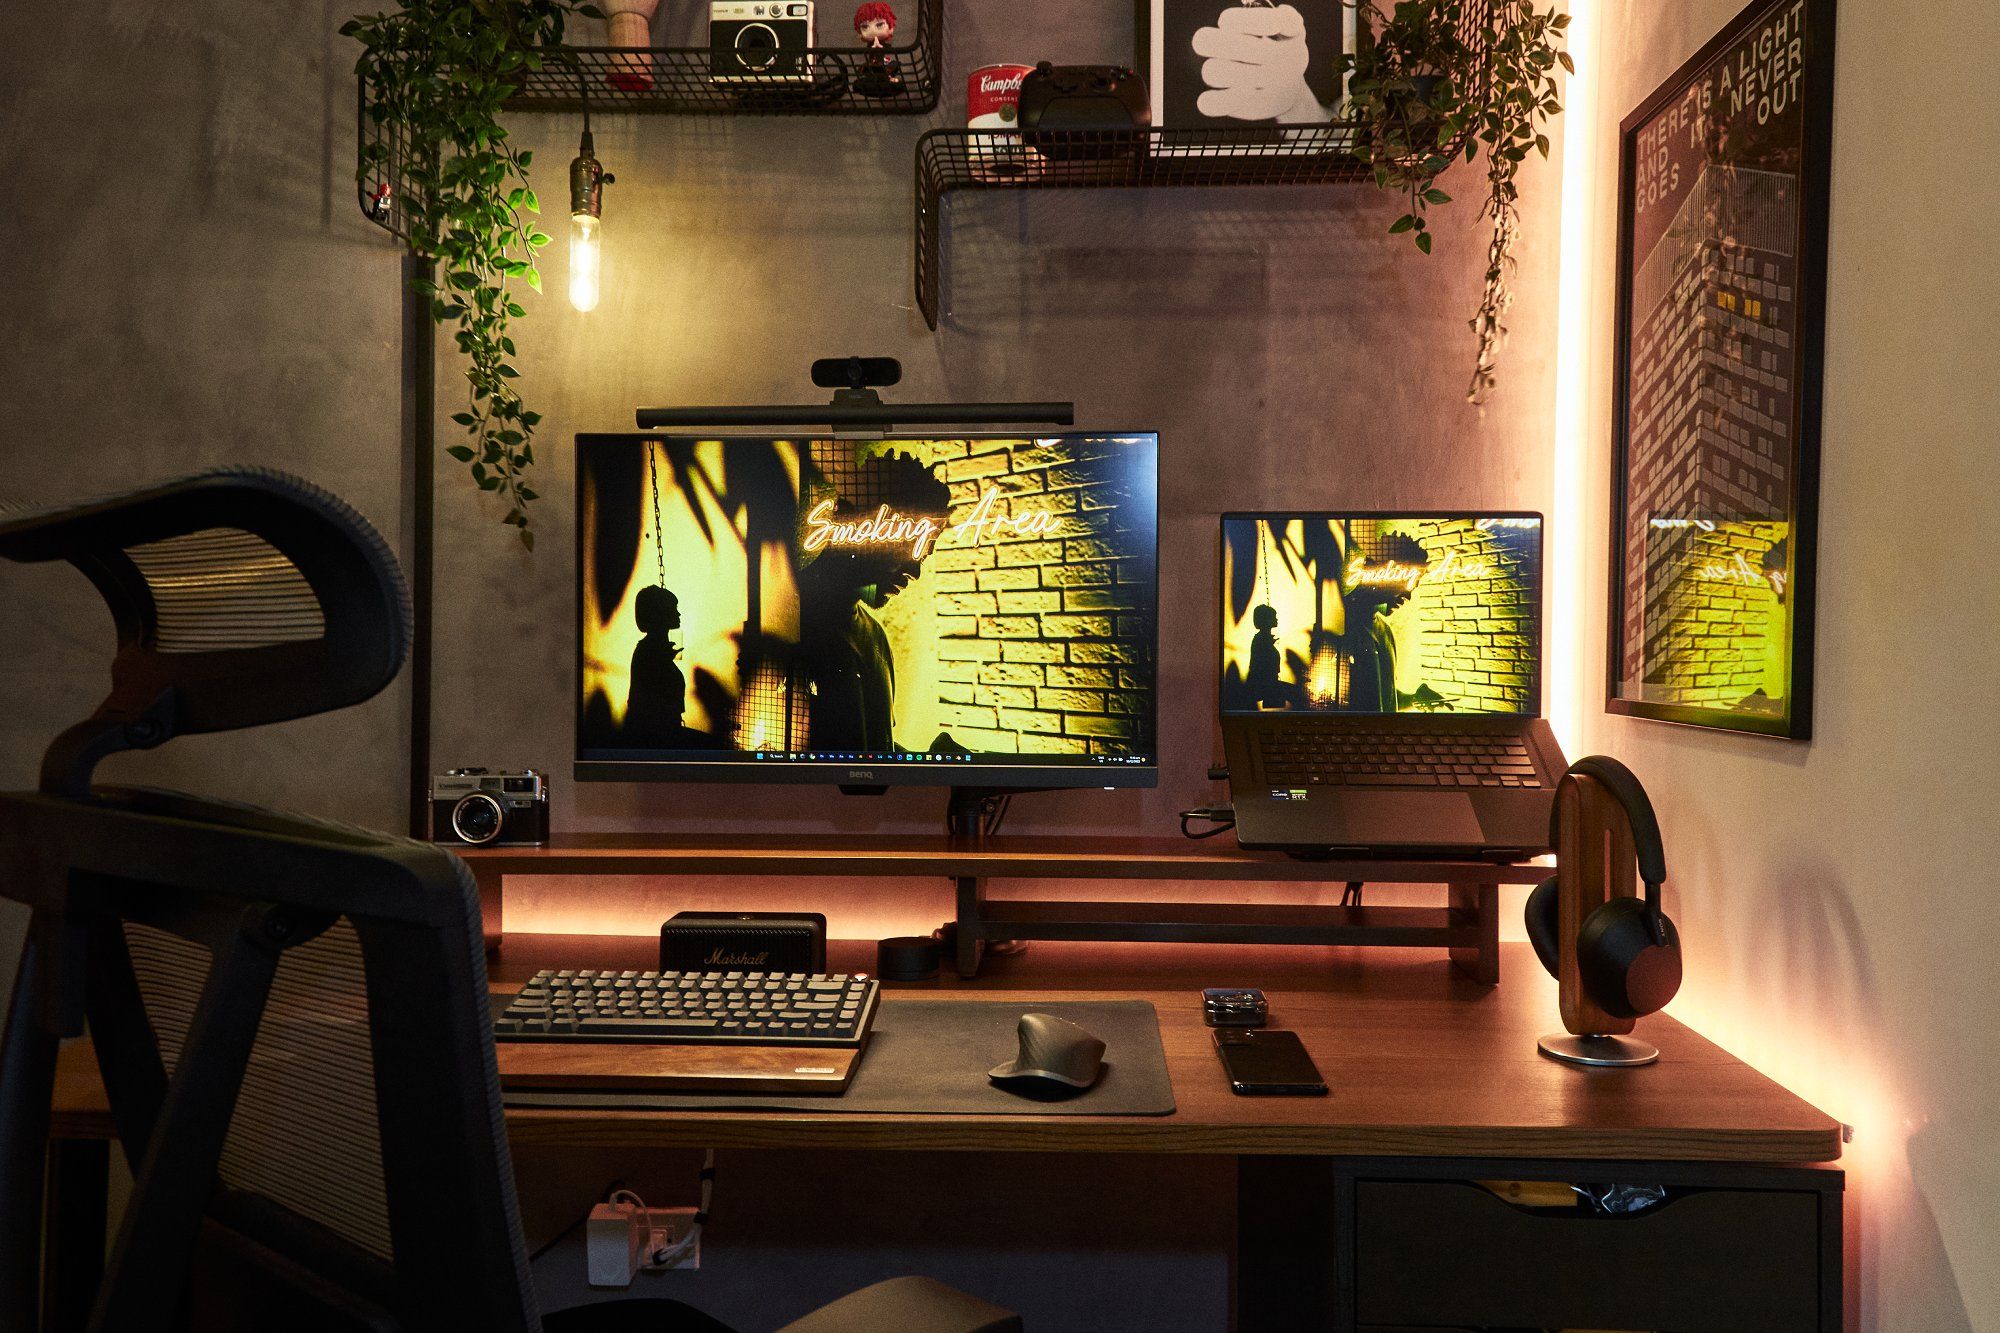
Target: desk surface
point(1423, 1062)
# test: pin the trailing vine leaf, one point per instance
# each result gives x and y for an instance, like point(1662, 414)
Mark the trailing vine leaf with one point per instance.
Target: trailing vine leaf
point(435, 74)
point(1432, 73)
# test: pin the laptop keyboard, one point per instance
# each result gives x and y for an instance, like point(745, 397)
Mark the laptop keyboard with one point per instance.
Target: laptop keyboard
point(1305, 755)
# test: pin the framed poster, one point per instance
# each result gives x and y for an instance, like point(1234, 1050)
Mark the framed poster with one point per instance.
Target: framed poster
point(1721, 302)
point(1243, 63)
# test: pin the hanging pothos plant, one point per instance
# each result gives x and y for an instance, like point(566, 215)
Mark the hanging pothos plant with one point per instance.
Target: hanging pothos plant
point(1430, 73)
point(435, 73)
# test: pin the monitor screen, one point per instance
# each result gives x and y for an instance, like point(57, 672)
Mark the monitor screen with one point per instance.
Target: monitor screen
point(970, 611)
point(1382, 613)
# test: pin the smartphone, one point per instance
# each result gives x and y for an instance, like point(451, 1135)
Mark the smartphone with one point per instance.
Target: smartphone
point(1268, 1062)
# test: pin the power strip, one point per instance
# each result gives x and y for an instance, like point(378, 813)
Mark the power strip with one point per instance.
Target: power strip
point(622, 1238)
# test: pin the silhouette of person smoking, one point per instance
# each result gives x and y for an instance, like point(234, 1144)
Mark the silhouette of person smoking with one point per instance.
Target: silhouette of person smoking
point(845, 653)
point(1371, 639)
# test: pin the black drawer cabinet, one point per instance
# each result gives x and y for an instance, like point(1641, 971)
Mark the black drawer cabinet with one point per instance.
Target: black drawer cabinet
point(1412, 1245)
point(1445, 1253)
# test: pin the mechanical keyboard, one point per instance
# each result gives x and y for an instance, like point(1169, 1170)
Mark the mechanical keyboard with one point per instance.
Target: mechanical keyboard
point(1304, 755)
point(692, 1008)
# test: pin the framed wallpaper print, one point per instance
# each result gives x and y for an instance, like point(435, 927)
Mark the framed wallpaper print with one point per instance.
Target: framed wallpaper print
point(1721, 299)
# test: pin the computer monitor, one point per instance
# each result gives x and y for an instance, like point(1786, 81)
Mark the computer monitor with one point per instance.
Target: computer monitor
point(978, 611)
point(1382, 613)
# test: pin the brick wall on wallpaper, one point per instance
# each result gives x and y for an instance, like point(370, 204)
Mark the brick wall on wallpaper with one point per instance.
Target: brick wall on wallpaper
point(1476, 646)
point(1717, 635)
point(1043, 641)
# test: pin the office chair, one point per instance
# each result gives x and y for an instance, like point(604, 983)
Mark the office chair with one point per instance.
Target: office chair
point(290, 1016)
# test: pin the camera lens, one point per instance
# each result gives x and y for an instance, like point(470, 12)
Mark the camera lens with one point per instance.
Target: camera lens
point(476, 818)
point(756, 45)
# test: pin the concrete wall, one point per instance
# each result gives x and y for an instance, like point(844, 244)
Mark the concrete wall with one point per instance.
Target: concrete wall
point(1833, 895)
point(188, 282)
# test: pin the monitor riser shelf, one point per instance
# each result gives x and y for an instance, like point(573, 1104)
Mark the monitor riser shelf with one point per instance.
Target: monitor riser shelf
point(1467, 926)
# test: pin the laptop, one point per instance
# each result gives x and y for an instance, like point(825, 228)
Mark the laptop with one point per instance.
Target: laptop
point(1381, 683)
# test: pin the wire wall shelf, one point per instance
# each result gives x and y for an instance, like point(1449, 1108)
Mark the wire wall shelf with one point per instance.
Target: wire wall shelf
point(705, 81)
point(1335, 153)
point(953, 160)
point(686, 81)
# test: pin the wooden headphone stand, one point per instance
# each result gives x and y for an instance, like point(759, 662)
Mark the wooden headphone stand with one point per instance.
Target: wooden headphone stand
point(1594, 864)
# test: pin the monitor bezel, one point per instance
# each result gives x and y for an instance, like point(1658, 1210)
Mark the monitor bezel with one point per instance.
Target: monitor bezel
point(744, 768)
point(1541, 617)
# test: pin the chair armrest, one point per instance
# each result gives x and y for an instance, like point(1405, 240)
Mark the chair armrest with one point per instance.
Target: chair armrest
point(910, 1305)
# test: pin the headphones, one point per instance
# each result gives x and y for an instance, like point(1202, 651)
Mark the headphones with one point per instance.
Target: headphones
point(1628, 953)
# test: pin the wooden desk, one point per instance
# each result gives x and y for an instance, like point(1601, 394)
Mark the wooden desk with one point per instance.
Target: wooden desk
point(1435, 1078)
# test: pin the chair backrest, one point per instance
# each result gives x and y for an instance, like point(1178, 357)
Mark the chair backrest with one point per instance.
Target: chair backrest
point(290, 1016)
point(240, 597)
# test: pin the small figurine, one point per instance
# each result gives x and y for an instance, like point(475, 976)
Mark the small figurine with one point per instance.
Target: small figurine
point(875, 25)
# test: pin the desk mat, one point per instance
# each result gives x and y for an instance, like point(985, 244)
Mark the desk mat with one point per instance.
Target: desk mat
point(931, 1057)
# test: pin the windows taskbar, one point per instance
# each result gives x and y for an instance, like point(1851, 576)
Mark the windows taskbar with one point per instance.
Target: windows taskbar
point(783, 758)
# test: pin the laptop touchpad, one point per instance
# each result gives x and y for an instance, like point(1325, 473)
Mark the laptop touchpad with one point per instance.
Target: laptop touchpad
point(1409, 816)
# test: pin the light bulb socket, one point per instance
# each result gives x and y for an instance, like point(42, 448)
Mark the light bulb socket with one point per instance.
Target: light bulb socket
point(587, 180)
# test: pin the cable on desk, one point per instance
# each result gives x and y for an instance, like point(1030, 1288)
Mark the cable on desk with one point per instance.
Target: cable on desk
point(609, 1192)
point(1222, 817)
point(668, 1255)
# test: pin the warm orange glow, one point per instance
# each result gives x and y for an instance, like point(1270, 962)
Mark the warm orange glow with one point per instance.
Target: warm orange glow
point(1577, 377)
point(1816, 1063)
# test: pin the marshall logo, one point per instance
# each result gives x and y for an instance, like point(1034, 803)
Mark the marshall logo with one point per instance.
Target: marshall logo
point(744, 942)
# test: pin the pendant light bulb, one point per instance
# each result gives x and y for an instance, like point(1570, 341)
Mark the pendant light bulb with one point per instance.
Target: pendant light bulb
point(586, 262)
point(587, 179)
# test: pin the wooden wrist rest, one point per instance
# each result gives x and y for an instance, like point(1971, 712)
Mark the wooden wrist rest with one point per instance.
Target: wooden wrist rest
point(642, 1067)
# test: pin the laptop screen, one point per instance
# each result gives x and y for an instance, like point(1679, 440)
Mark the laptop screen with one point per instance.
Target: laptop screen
point(1382, 613)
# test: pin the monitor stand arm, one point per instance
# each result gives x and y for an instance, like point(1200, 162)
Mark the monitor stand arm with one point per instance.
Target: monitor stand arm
point(972, 807)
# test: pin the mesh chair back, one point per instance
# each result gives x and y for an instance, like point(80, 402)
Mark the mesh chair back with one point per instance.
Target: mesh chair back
point(303, 1134)
point(289, 1016)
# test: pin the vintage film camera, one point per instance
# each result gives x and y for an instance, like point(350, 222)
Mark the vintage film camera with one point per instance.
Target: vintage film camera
point(488, 809)
point(760, 41)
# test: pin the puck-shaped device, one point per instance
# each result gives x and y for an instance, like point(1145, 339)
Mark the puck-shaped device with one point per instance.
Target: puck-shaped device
point(907, 958)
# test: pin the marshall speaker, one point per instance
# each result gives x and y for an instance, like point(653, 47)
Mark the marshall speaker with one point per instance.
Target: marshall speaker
point(743, 942)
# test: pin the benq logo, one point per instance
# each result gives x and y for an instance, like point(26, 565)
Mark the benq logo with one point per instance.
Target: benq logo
point(860, 772)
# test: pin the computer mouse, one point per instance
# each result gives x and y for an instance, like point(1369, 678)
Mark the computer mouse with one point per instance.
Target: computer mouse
point(1055, 1055)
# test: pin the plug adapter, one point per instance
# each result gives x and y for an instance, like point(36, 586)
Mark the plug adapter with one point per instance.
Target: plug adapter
point(616, 1244)
point(666, 1228)
point(622, 1238)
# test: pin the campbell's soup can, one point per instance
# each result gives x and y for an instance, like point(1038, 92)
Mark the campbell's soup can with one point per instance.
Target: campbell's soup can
point(993, 103)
